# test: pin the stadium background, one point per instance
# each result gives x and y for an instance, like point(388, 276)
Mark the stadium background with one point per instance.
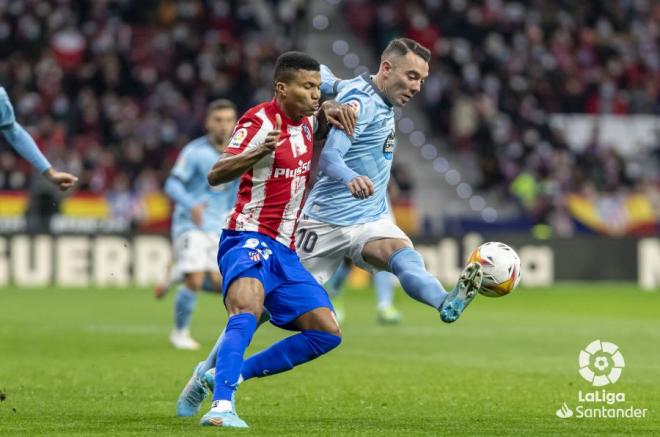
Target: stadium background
point(539, 126)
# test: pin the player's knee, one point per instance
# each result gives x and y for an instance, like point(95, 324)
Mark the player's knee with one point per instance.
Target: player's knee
point(379, 252)
point(332, 330)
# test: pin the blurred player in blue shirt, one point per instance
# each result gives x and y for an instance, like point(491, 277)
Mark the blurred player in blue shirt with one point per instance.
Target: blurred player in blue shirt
point(199, 216)
point(347, 214)
point(23, 143)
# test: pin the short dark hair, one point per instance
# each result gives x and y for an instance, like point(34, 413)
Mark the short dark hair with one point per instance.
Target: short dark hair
point(402, 46)
point(220, 104)
point(288, 63)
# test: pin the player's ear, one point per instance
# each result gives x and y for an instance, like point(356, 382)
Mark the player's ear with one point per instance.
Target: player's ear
point(280, 89)
point(386, 67)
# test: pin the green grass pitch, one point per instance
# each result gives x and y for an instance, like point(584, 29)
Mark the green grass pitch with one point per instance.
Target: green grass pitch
point(97, 362)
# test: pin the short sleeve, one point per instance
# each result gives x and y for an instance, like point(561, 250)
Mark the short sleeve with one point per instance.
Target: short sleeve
point(247, 134)
point(7, 118)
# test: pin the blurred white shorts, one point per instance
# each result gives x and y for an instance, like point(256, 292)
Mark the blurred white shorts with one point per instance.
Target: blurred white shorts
point(323, 246)
point(196, 251)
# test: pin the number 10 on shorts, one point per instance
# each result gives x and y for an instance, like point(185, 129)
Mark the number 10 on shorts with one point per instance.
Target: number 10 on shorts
point(307, 240)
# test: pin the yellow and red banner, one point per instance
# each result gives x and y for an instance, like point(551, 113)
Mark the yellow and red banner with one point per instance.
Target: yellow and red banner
point(616, 214)
point(13, 203)
point(152, 211)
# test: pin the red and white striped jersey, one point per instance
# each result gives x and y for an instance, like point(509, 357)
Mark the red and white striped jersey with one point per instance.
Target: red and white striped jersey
point(270, 194)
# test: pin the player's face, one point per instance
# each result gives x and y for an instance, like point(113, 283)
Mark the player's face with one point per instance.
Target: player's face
point(220, 124)
point(303, 93)
point(404, 78)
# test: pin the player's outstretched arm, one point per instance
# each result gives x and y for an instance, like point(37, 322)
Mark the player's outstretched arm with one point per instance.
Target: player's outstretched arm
point(229, 166)
point(23, 143)
point(332, 164)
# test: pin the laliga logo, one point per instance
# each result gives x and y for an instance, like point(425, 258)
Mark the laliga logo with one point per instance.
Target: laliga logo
point(601, 363)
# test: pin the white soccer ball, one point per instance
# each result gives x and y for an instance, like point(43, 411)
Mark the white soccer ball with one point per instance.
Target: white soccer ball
point(501, 267)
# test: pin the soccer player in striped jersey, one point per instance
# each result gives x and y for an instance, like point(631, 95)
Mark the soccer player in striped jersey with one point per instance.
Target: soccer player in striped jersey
point(23, 143)
point(271, 152)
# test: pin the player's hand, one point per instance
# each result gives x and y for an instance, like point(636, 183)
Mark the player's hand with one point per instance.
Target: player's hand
point(272, 138)
point(361, 187)
point(197, 214)
point(63, 180)
point(340, 116)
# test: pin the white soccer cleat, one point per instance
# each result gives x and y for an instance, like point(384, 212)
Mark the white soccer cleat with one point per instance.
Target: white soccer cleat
point(181, 339)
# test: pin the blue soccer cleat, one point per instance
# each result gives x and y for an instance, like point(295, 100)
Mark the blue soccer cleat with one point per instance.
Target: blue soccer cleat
point(465, 291)
point(193, 394)
point(227, 419)
point(209, 378)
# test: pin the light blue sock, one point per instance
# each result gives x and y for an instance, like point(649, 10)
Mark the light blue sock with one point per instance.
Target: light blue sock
point(184, 304)
point(336, 281)
point(384, 285)
point(288, 353)
point(408, 265)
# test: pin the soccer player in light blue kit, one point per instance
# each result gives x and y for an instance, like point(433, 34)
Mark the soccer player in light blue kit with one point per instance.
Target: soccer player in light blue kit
point(23, 143)
point(346, 214)
point(199, 214)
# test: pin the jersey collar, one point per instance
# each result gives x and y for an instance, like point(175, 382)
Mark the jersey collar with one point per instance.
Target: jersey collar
point(377, 90)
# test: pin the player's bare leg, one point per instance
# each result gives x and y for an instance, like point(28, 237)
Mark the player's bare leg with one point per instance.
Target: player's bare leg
point(399, 257)
point(213, 282)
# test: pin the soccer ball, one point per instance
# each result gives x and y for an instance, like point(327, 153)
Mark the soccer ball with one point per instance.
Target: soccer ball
point(501, 267)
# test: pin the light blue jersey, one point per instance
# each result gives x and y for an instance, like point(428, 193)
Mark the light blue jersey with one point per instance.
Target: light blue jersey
point(6, 110)
point(18, 137)
point(370, 154)
point(190, 171)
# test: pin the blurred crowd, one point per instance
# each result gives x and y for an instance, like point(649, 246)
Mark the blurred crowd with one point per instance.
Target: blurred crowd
point(112, 89)
point(500, 68)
